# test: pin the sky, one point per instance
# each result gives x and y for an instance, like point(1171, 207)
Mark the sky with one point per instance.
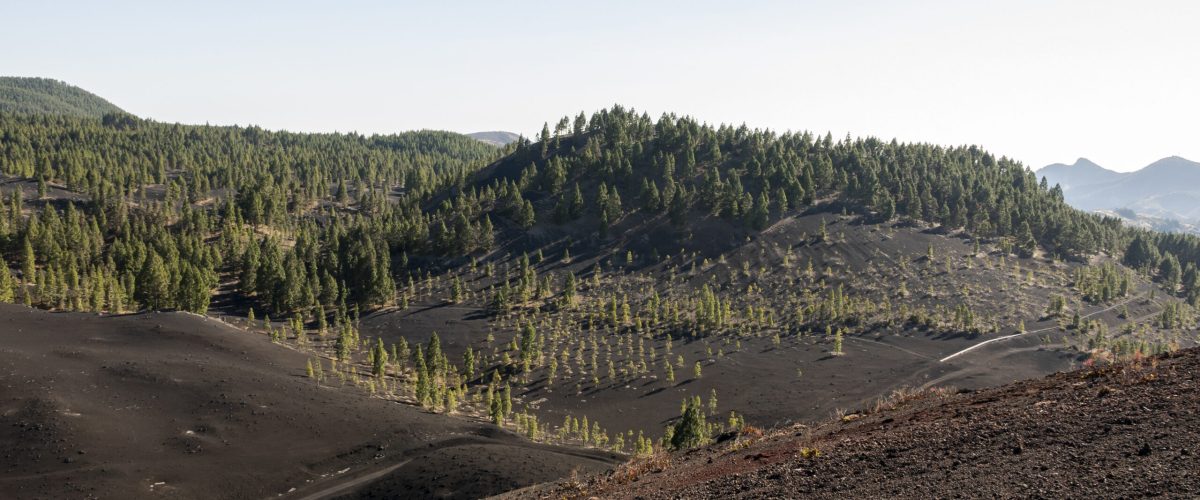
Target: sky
point(1038, 81)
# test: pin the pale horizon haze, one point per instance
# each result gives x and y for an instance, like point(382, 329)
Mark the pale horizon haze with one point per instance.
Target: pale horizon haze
point(1040, 82)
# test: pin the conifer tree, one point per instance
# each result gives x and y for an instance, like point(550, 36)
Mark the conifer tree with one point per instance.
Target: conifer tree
point(154, 283)
point(691, 429)
point(28, 262)
point(469, 363)
point(506, 401)
point(7, 284)
point(495, 409)
point(379, 359)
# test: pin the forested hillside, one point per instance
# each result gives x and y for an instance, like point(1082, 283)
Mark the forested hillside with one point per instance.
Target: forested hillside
point(44, 96)
point(129, 213)
point(123, 214)
point(629, 163)
point(612, 268)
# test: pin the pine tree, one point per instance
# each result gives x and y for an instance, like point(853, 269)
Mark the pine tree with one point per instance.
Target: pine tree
point(424, 389)
point(28, 263)
point(469, 363)
point(1140, 254)
point(495, 409)
point(343, 345)
point(759, 215)
point(379, 359)
point(7, 284)
point(569, 290)
point(526, 216)
point(154, 283)
point(506, 401)
point(575, 207)
point(691, 429)
point(1170, 273)
point(451, 404)
point(456, 290)
point(544, 138)
point(1027, 243)
point(434, 358)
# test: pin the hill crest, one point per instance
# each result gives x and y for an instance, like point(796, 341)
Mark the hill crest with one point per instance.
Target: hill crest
point(496, 137)
point(33, 96)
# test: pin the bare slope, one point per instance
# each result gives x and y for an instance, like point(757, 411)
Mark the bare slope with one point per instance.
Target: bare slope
point(798, 379)
point(176, 405)
point(1122, 431)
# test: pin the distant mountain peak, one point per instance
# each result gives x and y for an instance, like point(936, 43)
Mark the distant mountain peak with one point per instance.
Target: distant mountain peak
point(1083, 172)
point(1158, 194)
point(1081, 163)
point(1173, 162)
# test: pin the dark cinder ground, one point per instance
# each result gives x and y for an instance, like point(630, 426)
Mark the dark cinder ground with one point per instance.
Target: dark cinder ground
point(1122, 431)
point(173, 405)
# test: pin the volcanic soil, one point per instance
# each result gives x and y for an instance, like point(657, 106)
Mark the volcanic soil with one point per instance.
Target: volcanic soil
point(1124, 430)
point(798, 379)
point(176, 405)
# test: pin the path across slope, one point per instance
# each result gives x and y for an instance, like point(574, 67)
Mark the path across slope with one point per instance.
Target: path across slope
point(1040, 330)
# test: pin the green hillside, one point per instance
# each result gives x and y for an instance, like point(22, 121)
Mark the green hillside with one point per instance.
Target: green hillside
point(33, 96)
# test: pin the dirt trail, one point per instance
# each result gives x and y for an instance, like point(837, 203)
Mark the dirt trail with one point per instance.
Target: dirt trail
point(346, 484)
point(1041, 330)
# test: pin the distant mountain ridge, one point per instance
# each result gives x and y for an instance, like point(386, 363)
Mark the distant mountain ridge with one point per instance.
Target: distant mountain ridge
point(46, 96)
point(495, 138)
point(1166, 190)
point(1081, 173)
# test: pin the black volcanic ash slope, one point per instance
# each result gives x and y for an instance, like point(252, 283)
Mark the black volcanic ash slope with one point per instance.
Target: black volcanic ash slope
point(1127, 430)
point(176, 405)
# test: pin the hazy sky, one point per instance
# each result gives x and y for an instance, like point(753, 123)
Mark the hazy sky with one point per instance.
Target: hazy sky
point(1039, 81)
